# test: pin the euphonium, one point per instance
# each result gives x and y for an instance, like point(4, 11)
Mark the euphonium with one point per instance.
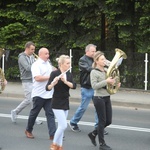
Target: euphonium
point(114, 72)
point(2, 75)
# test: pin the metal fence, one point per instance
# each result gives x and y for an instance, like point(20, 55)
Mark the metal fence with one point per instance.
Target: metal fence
point(132, 70)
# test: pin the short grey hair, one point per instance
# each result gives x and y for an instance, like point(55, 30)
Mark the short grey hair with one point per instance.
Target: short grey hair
point(28, 44)
point(87, 48)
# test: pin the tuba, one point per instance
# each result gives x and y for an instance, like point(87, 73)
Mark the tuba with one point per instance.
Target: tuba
point(114, 72)
point(2, 75)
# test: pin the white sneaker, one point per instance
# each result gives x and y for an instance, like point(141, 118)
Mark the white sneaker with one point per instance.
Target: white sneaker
point(13, 116)
point(38, 122)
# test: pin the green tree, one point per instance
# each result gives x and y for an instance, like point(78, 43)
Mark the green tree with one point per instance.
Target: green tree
point(128, 27)
point(63, 24)
point(17, 23)
point(69, 24)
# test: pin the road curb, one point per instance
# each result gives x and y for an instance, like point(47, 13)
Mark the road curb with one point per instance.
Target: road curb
point(77, 101)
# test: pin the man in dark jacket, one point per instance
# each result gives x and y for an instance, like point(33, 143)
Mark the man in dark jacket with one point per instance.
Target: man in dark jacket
point(85, 67)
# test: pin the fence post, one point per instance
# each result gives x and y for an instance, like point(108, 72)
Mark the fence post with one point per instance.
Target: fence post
point(146, 62)
point(70, 59)
point(3, 61)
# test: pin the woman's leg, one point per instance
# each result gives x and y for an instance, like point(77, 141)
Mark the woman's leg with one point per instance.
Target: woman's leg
point(108, 107)
point(99, 104)
point(62, 125)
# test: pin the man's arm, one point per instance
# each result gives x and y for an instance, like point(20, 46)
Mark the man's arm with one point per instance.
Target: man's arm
point(83, 65)
point(25, 64)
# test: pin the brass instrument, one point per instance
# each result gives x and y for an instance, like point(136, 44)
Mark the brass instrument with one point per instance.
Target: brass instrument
point(2, 75)
point(36, 56)
point(114, 72)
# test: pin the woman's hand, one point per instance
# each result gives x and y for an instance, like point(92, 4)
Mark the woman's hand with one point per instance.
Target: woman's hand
point(110, 80)
point(63, 79)
point(3, 82)
point(55, 81)
point(119, 84)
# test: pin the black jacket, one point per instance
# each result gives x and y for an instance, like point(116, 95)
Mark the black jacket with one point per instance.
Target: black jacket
point(61, 94)
point(85, 67)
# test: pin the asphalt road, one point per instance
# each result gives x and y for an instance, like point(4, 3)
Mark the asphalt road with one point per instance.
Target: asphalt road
point(130, 129)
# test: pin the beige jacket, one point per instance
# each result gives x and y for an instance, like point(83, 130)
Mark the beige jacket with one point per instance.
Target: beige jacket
point(98, 82)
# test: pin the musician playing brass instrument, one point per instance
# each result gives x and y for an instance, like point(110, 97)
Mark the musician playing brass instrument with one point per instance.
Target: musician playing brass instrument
point(101, 98)
point(3, 81)
point(25, 60)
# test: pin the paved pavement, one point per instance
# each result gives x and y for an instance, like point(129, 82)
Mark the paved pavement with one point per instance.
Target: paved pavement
point(124, 97)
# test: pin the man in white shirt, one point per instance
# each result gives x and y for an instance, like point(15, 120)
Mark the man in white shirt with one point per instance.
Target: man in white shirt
point(41, 70)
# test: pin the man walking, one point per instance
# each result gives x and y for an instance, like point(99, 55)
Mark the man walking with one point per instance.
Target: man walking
point(41, 70)
point(25, 60)
point(85, 67)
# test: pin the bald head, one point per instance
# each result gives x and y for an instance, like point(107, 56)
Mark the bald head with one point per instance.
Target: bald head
point(43, 53)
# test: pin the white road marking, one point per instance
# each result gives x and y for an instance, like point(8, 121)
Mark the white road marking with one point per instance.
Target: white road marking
point(85, 123)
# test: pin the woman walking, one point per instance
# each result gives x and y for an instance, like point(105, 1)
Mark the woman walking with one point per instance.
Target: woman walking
point(62, 81)
point(101, 98)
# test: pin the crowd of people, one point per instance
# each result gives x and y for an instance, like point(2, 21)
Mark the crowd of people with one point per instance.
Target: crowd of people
point(47, 87)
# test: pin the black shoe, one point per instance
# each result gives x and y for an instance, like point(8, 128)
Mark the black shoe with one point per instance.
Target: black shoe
point(92, 138)
point(105, 132)
point(104, 147)
point(74, 127)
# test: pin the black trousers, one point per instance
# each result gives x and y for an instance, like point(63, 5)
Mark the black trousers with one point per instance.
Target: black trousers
point(104, 111)
point(38, 104)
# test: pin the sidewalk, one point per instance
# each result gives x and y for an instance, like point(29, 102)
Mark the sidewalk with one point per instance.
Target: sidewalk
point(124, 97)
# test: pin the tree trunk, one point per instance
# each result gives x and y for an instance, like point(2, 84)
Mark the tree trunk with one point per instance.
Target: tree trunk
point(103, 32)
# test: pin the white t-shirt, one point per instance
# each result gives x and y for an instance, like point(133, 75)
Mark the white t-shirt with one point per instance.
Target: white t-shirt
point(40, 67)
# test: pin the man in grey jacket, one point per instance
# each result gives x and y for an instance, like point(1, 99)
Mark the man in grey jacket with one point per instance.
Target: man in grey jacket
point(25, 60)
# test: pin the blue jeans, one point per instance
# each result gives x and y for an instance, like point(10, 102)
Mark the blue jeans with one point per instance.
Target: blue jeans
point(87, 96)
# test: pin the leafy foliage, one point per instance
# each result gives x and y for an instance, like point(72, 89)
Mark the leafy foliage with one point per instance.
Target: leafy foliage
point(61, 25)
